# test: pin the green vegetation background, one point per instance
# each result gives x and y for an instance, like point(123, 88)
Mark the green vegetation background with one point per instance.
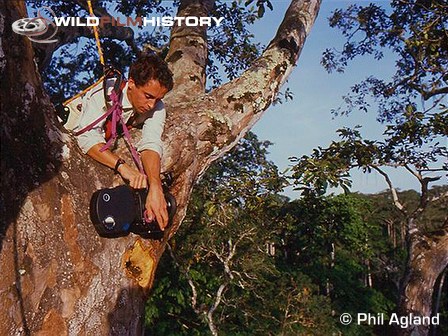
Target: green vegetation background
point(297, 265)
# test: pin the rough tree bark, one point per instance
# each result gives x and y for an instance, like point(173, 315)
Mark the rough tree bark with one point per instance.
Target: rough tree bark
point(428, 258)
point(57, 276)
point(426, 261)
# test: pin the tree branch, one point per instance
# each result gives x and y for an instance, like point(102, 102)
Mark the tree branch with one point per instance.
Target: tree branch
point(416, 174)
point(188, 52)
point(226, 262)
point(428, 94)
point(434, 92)
point(215, 305)
point(207, 127)
point(393, 191)
point(245, 98)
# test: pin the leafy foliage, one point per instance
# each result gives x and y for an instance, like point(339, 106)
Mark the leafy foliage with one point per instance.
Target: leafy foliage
point(228, 243)
point(231, 46)
point(297, 265)
point(329, 167)
point(412, 108)
point(415, 32)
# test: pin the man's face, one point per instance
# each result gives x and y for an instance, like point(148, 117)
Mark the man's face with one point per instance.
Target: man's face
point(144, 98)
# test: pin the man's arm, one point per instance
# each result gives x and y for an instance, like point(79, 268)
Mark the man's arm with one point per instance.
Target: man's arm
point(155, 201)
point(92, 141)
point(136, 179)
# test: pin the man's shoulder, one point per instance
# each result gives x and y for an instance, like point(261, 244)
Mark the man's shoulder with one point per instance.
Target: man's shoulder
point(160, 105)
point(98, 90)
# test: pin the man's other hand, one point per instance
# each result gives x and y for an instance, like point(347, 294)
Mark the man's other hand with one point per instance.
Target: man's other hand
point(136, 179)
point(156, 206)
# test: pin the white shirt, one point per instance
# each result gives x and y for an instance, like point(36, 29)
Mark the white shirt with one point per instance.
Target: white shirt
point(93, 106)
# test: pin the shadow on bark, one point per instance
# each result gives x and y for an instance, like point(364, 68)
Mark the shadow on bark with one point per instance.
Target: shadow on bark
point(28, 159)
point(120, 323)
point(439, 300)
point(29, 145)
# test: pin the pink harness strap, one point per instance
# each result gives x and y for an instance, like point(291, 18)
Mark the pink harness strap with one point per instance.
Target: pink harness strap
point(116, 110)
point(93, 123)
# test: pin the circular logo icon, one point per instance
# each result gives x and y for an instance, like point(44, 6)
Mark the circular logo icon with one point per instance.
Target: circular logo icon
point(38, 26)
point(30, 26)
point(106, 197)
point(346, 319)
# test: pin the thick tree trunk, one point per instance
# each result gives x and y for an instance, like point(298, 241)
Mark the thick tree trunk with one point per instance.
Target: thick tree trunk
point(427, 260)
point(57, 276)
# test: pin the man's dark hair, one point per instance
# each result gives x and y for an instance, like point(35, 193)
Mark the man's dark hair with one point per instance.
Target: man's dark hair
point(151, 66)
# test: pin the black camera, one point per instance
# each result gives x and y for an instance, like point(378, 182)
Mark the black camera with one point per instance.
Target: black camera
point(115, 212)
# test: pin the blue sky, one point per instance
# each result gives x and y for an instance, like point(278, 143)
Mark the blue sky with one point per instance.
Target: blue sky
point(298, 126)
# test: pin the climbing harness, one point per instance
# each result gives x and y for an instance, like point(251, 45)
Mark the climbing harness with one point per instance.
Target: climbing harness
point(115, 112)
point(72, 108)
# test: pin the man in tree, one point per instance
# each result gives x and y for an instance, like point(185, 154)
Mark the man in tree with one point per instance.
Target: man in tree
point(70, 289)
point(141, 99)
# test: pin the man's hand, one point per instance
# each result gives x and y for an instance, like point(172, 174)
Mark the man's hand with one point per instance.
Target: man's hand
point(156, 206)
point(136, 179)
point(155, 201)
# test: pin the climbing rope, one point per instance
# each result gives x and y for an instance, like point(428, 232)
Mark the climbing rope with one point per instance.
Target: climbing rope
point(96, 34)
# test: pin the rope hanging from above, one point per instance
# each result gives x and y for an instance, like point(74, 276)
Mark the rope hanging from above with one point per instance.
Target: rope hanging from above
point(96, 34)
